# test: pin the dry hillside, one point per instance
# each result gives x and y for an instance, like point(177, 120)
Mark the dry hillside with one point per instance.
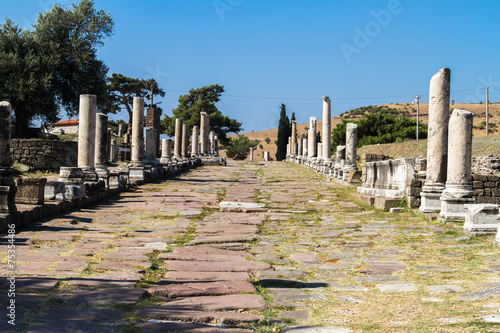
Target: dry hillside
point(411, 111)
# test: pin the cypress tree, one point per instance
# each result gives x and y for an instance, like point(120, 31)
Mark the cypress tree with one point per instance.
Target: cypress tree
point(284, 131)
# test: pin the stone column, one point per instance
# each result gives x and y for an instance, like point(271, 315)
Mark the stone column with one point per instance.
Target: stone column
point(178, 139)
point(86, 136)
point(101, 149)
point(251, 154)
point(338, 162)
point(458, 191)
point(327, 130)
point(293, 145)
point(166, 151)
point(351, 143)
point(136, 167)
point(194, 141)
point(101, 141)
point(304, 147)
point(151, 147)
point(185, 141)
point(311, 138)
point(212, 142)
point(120, 130)
point(299, 147)
point(137, 146)
point(216, 138)
point(204, 129)
point(7, 183)
point(289, 147)
point(437, 141)
point(266, 156)
point(112, 153)
point(108, 143)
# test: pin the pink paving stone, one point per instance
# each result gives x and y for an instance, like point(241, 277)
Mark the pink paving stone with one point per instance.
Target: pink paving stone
point(207, 276)
point(219, 303)
point(305, 257)
point(222, 239)
point(197, 316)
point(174, 290)
point(200, 250)
point(121, 265)
point(220, 266)
point(199, 257)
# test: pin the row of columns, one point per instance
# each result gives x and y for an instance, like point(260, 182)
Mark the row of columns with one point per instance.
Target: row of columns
point(317, 155)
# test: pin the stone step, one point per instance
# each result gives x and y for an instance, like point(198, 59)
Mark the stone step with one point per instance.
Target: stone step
point(167, 327)
point(207, 276)
point(174, 290)
point(219, 303)
point(197, 316)
point(217, 266)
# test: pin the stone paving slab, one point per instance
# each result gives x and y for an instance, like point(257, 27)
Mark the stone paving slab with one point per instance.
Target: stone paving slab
point(108, 296)
point(197, 316)
point(174, 290)
point(219, 303)
point(206, 276)
point(217, 266)
point(168, 327)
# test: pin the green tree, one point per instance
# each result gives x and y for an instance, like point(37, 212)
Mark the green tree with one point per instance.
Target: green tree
point(198, 100)
point(238, 148)
point(73, 35)
point(267, 140)
point(284, 131)
point(25, 76)
point(380, 127)
point(123, 89)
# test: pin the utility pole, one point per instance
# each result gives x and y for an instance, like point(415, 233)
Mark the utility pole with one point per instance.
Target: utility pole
point(487, 110)
point(417, 100)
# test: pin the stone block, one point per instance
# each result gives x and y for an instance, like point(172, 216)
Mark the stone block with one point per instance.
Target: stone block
point(478, 192)
point(354, 176)
point(493, 178)
point(386, 204)
point(481, 218)
point(490, 184)
point(368, 199)
point(414, 202)
point(394, 210)
point(483, 178)
point(55, 191)
point(30, 190)
point(477, 184)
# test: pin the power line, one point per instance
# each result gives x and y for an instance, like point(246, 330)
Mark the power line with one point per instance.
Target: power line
point(409, 96)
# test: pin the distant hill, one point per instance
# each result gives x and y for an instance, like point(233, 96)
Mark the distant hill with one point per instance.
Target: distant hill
point(406, 109)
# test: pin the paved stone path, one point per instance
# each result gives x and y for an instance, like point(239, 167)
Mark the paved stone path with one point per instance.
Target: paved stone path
point(250, 248)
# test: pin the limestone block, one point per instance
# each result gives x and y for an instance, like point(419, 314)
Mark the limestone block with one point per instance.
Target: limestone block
point(481, 218)
point(31, 190)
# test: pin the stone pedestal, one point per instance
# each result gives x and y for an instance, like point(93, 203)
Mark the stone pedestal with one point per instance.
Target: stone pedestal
point(311, 138)
point(337, 168)
point(166, 151)
point(327, 130)
point(31, 190)
point(73, 179)
point(437, 142)
point(481, 219)
point(458, 191)
point(351, 143)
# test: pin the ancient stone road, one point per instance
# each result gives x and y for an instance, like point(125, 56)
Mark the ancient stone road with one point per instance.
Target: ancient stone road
point(165, 257)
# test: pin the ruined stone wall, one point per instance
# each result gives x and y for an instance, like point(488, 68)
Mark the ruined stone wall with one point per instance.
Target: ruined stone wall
point(486, 188)
point(45, 154)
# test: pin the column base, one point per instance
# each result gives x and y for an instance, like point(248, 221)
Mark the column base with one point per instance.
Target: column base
point(454, 209)
point(136, 172)
point(345, 172)
point(103, 175)
point(431, 202)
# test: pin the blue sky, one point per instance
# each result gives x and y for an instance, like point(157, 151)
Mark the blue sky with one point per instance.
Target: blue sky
point(270, 52)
